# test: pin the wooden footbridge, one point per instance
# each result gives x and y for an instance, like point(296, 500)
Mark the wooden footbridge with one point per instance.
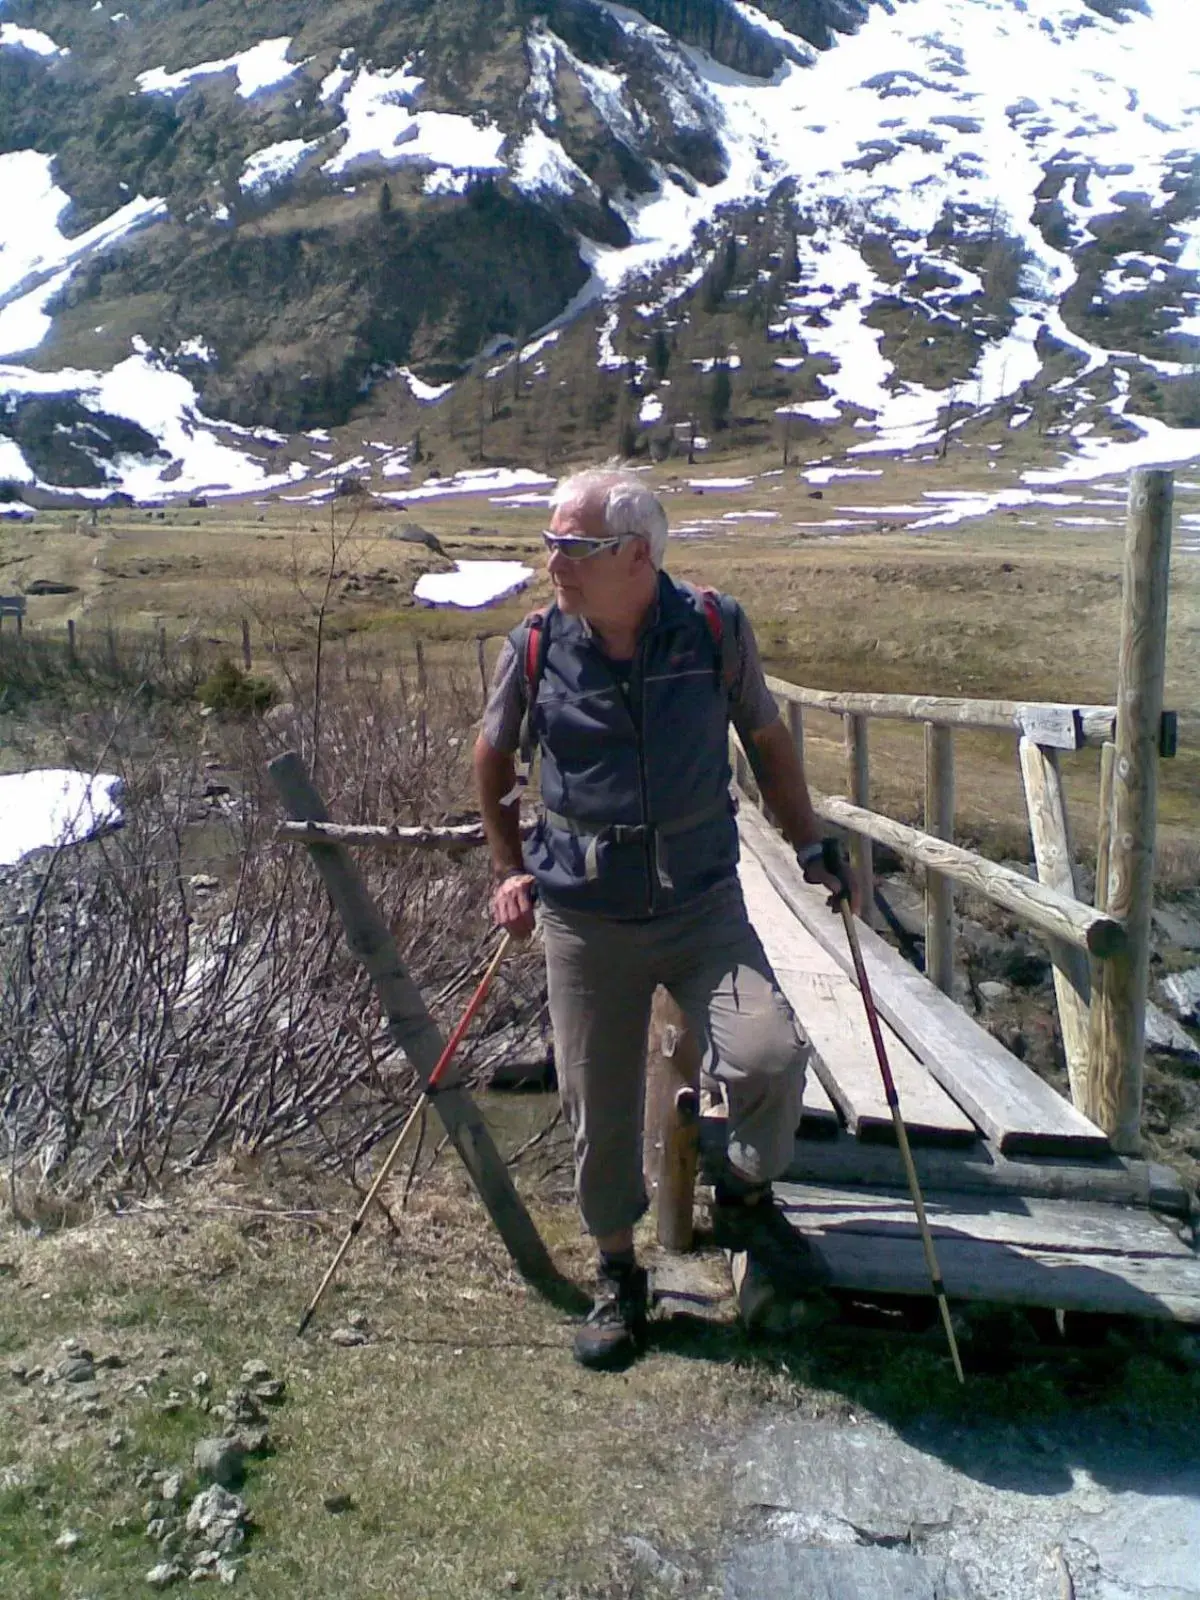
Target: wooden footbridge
point(1033, 1199)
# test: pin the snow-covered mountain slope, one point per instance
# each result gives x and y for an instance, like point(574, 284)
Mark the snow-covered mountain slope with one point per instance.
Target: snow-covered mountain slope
point(983, 206)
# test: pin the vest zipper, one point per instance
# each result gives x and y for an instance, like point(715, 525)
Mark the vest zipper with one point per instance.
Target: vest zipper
point(639, 733)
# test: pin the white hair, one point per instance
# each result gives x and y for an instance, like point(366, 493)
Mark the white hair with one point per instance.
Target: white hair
point(624, 502)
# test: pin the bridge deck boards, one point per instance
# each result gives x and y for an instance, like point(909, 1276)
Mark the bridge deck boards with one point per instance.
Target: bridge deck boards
point(831, 1013)
point(1014, 1108)
point(1032, 1208)
point(1064, 1254)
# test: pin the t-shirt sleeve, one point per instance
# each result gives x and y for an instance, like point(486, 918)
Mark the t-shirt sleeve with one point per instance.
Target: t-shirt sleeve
point(506, 703)
point(752, 703)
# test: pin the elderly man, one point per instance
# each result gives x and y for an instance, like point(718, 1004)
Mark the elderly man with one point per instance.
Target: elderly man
point(627, 685)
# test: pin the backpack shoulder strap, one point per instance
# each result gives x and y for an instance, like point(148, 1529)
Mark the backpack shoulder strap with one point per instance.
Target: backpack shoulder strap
point(717, 611)
point(531, 639)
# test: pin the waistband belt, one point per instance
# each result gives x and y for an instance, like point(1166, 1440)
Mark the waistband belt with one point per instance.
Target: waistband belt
point(634, 833)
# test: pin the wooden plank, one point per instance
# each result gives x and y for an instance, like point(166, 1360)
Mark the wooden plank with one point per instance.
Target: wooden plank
point(1003, 1097)
point(1048, 825)
point(1119, 1013)
point(831, 1013)
point(1053, 727)
point(888, 1262)
point(939, 889)
point(416, 1033)
point(975, 1169)
point(1076, 1227)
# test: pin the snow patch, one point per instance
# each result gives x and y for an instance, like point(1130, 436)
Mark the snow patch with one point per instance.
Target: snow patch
point(52, 806)
point(263, 66)
point(473, 583)
point(382, 126)
point(30, 39)
point(276, 162)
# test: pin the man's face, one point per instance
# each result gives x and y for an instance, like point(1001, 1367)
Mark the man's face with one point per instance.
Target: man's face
point(599, 585)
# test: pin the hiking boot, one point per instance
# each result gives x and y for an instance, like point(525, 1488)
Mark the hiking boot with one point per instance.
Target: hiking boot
point(740, 1207)
point(615, 1329)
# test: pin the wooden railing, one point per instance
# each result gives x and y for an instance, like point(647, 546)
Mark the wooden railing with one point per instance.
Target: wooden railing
point(1101, 952)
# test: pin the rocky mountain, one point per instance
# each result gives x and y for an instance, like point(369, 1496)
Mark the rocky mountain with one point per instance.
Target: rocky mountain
point(231, 227)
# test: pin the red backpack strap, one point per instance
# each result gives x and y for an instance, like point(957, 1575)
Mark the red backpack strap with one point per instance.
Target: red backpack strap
point(722, 637)
point(532, 651)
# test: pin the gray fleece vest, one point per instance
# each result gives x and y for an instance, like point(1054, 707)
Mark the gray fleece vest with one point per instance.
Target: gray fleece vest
point(635, 779)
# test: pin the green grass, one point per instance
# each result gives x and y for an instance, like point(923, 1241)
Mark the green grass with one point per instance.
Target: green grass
point(476, 1455)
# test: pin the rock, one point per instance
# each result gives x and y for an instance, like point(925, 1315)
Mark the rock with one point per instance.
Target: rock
point(160, 1528)
point(1181, 991)
point(272, 1391)
point(1177, 926)
point(346, 1337)
point(251, 1441)
point(1164, 1033)
point(172, 1487)
point(116, 1440)
point(255, 1371)
point(337, 1503)
point(50, 586)
point(110, 1363)
point(219, 1461)
point(203, 881)
point(18, 1373)
point(357, 1319)
point(164, 1574)
point(201, 1382)
point(217, 1516)
point(780, 1568)
point(655, 1564)
point(992, 990)
point(77, 1369)
point(226, 1572)
point(68, 1539)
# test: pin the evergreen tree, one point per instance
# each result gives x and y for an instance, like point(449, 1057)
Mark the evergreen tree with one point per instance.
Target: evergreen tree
point(720, 397)
point(385, 199)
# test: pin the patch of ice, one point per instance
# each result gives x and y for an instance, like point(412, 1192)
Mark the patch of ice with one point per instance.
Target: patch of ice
point(273, 164)
point(263, 66)
point(51, 806)
point(472, 584)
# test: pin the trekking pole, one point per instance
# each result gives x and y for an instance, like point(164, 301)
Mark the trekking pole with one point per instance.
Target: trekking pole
point(832, 861)
point(426, 1095)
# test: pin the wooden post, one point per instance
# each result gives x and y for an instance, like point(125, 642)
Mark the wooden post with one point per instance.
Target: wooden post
point(671, 1140)
point(416, 1033)
point(1108, 752)
point(481, 658)
point(1118, 1033)
point(71, 641)
point(939, 889)
point(246, 656)
point(162, 642)
point(1049, 827)
point(858, 781)
point(795, 718)
point(111, 635)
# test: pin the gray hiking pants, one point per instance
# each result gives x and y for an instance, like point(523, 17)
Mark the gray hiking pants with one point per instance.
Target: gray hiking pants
point(602, 975)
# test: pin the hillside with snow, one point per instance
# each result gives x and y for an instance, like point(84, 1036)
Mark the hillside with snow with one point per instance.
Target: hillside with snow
point(230, 262)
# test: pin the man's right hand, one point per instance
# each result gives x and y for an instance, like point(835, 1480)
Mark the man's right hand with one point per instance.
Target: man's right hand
point(512, 904)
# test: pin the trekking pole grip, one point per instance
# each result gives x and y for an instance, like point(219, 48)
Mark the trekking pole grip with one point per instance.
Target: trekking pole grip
point(835, 863)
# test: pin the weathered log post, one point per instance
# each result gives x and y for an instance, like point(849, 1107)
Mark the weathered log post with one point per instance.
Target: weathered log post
point(247, 656)
point(671, 1135)
point(939, 890)
point(1118, 1016)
